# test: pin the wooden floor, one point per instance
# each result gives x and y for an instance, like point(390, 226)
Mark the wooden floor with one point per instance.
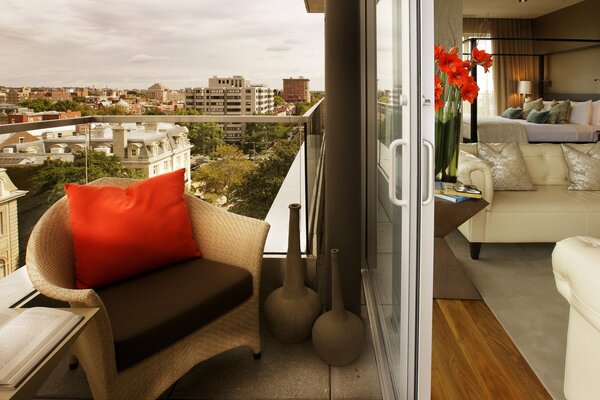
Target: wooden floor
point(474, 358)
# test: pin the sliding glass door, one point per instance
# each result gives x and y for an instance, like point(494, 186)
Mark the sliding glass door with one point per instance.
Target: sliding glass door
point(399, 191)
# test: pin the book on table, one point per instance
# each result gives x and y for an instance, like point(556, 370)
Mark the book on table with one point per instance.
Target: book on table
point(27, 337)
point(460, 190)
point(453, 199)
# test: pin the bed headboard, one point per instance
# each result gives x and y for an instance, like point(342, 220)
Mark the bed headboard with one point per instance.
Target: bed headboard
point(571, 96)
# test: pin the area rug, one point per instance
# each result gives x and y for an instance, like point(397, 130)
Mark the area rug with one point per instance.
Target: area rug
point(517, 284)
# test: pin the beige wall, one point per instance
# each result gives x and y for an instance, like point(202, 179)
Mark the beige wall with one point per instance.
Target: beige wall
point(575, 71)
point(448, 23)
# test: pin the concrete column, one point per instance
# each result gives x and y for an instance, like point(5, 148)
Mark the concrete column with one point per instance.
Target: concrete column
point(343, 153)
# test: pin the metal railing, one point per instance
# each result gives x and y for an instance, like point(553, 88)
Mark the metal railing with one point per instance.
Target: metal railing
point(313, 145)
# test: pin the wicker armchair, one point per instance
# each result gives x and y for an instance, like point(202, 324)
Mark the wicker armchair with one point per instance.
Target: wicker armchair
point(222, 237)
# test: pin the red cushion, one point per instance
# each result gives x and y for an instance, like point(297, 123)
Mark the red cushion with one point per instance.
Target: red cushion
point(119, 233)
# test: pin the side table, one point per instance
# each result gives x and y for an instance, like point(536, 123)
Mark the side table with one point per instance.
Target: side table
point(32, 382)
point(449, 278)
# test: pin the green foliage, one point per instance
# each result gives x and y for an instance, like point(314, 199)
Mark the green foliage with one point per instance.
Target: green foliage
point(216, 179)
point(263, 135)
point(65, 105)
point(206, 137)
point(53, 174)
point(38, 105)
point(254, 195)
point(278, 100)
point(383, 99)
point(302, 107)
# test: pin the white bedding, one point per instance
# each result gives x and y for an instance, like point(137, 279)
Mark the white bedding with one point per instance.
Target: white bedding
point(498, 129)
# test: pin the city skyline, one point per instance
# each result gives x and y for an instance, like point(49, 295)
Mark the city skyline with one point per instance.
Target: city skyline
point(179, 44)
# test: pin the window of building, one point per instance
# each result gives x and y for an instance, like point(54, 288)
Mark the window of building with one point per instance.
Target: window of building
point(59, 134)
point(1, 223)
point(154, 170)
point(3, 271)
point(21, 139)
point(134, 152)
point(486, 103)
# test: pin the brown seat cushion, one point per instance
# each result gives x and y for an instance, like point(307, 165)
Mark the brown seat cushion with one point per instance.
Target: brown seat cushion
point(150, 312)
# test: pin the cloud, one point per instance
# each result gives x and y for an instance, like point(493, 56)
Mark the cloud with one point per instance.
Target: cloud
point(278, 49)
point(145, 58)
point(127, 44)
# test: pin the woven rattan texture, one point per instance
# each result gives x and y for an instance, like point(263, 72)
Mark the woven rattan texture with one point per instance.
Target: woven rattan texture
point(221, 236)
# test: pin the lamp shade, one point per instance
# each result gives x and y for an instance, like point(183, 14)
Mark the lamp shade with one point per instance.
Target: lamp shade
point(525, 87)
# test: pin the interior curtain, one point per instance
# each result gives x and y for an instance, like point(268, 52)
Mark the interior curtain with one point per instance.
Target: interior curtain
point(507, 70)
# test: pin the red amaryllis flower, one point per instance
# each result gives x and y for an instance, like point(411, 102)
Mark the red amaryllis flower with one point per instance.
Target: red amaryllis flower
point(439, 89)
point(469, 90)
point(459, 76)
point(480, 57)
point(437, 52)
point(453, 50)
point(487, 65)
point(449, 62)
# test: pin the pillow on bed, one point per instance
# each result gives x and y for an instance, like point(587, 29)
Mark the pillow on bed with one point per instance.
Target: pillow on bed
point(547, 105)
point(509, 171)
point(596, 113)
point(559, 112)
point(581, 112)
point(512, 113)
point(584, 168)
point(538, 117)
point(532, 105)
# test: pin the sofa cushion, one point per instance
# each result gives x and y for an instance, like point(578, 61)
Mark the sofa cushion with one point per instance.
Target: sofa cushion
point(509, 171)
point(123, 232)
point(151, 312)
point(584, 167)
point(549, 214)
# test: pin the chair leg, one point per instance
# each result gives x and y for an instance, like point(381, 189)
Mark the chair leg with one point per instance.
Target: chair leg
point(475, 248)
point(257, 356)
point(73, 362)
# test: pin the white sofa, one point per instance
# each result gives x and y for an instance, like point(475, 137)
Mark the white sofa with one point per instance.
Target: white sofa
point(576, 265)
point(549, 214)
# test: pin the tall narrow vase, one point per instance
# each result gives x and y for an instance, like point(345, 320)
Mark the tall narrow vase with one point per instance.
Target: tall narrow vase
point(448, 128)
point(291, 310)
point(338, 335)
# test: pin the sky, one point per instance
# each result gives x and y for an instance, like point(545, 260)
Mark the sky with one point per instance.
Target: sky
point(179, 43)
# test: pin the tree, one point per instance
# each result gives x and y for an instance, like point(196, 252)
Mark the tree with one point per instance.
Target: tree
point(38, 105)
point(278, 100)
point(66, 105)
point(206, 137)
point(254, 195)
point(263, 135)
point(216, 179)
point(53, 174)
point(302, 107)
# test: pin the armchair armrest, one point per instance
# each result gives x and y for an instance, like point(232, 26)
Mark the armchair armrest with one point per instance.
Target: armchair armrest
point(576, 267)
point(226, 237)
point(472, 170)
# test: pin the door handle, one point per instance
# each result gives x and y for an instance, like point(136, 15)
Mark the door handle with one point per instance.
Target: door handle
point(430, 172)
point(392, 179)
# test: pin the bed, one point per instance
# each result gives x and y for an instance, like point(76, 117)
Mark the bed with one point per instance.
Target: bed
point(497, 129)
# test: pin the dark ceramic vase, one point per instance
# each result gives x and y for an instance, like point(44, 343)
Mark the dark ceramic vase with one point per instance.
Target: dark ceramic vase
point(291, 310)
point(338, 335)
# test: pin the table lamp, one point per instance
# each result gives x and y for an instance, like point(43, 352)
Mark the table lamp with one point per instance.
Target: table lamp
point(525, 88)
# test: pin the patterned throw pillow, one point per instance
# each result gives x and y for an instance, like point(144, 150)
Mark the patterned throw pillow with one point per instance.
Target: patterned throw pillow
point(584, 168)
point(512, 113)
point(538, 117)
point(532, 105)
point(509, 171)
point(559, 112)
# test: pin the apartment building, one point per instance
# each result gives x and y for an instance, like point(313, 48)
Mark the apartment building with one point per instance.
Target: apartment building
point(9, 224)
point(231, 96)
point(296, 89)
point(41, 116)
point(151, 148)
point(16, 95)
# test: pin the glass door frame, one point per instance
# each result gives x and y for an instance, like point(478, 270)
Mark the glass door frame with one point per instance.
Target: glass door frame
point(417, 292)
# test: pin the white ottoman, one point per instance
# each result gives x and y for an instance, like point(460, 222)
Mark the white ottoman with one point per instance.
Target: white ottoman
point(576, 265)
